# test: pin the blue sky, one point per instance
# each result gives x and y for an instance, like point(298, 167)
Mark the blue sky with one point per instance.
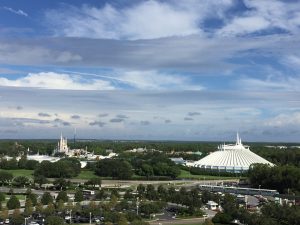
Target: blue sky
point(170, 70)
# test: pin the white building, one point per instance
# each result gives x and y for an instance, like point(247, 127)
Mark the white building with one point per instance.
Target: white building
point(230, 158)
point(62, 145)
point(212, 205)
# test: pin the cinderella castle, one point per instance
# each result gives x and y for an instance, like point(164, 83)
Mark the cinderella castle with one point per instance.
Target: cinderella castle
point(62, 146)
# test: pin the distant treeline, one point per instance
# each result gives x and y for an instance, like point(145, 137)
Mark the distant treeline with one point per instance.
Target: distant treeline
point(289, 156)
point(13, 148)
point(285, 179)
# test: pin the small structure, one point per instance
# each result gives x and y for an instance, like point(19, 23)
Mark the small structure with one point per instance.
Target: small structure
point(212, 205)
point(179, 161)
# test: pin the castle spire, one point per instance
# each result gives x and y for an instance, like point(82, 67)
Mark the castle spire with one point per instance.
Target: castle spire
point(238, 140)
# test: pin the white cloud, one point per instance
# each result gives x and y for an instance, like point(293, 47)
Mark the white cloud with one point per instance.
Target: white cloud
point(152, 80)
point(284, 119)
point(14, 53)
point(263, 16)
point(144, 20)
point(51, 80)
point(18, 12)
point(274, 84)
point(244, 25)
point(280, 14)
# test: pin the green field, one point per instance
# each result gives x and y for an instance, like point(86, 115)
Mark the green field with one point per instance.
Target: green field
point(86, 175)
point(187, 175)
point(20, 172)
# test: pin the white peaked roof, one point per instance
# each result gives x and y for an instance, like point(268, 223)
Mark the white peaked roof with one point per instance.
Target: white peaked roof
point(232, 157)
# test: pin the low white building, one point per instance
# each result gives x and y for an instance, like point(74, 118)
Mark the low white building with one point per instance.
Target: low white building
point(212, 205)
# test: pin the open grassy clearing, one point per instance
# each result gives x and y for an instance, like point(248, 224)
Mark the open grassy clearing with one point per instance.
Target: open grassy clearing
point(20, 172)
point(187, 175)
point(86, 175)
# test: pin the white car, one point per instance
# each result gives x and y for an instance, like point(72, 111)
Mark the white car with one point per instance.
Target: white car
point(33, 223)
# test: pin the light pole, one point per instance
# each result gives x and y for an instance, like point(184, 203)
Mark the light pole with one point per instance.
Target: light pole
point(25, 220)
point(70, 216)
point(137, 206)
point(259, 189)
point(90, 218)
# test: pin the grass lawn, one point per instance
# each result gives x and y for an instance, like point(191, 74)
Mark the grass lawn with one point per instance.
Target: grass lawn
point(187, 175)
point(20, 172)
point(86, 175)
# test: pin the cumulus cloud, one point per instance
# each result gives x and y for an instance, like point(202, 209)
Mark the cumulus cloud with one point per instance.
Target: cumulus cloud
point(75, 117)
point(264, 16)
point(153, 80)
point(103, 115)
point(116, 120)
point(120, 116)
point(97, 123)
point(17, 12)
point(51, 80)
point(244, 25)
point(145, 122)
point(60, 122)
point(158, 20)
point(168, 121)
point(284, 119)
point(33, 53)
point(194, 113)
point(41, 114)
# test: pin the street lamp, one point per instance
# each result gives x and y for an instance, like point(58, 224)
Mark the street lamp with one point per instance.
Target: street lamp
point(70, 216)
point(90, 218)
point(137, 206)
point(259, 189)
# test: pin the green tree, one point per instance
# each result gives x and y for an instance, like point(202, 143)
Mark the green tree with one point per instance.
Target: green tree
point(62, 195)
point(94, 181)
point(13, 202)
point(61, 184)
point(222, 218)
point(101, 194)
point(141, 190)
point(78, 197)
point(22, 162)
point(5, 177)
point(40, 180)
point(20, 181)
point(46, 198)
point(39, 208)
point(49, 210)
point(128, 195)
point(208, 222)
point(162, 192)
point(122, 220)
point(31, 164)
point(60, 206)
point(54, 220)
point(17, 218)
point(2, 197)
point(28, 207)
point(115, 192)
point(33, 198)
point(4, 214)
point(151, 193)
